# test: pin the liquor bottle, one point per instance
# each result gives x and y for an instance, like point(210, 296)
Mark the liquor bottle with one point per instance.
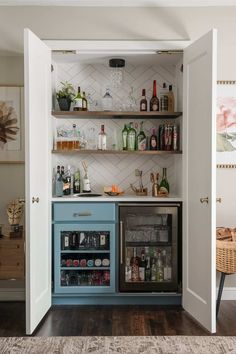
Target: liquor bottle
point(131, 138)
point(154, 102)
point(141, 139)
point(107, 101)
point(134, 262)
point(161, 137)
point(75, 144)
point(160, 271)
point(67, 182)
point(84, 102)
point(164, 98)
point(78, 101)
point(76, 184)
point(164, 185)
point(171, 100)
point(142, 267)
point(148, 269)
point(124, 137)
point(153, 270)
point(165, 266)
point(102, 139)
point(143, 101)
point(153, 140)
point(58, 183)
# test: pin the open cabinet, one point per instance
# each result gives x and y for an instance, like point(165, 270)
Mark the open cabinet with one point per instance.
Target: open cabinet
point(197, 175)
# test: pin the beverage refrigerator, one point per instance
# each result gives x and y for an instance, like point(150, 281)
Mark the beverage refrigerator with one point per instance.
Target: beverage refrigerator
point(150, 247)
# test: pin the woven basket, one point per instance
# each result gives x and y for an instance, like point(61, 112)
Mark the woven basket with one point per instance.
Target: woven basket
point(226, 250)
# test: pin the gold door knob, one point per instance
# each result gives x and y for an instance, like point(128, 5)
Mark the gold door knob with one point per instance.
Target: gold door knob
point(204, 200)
point(35, 200)
point(218, 200)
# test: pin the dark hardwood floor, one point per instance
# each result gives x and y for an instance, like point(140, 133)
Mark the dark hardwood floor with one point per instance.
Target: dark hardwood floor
point(114, 321)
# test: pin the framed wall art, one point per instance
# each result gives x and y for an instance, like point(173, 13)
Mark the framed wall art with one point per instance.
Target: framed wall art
point(11, 124)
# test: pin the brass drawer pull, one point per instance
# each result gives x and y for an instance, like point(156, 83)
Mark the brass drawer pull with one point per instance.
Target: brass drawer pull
point(85, 213)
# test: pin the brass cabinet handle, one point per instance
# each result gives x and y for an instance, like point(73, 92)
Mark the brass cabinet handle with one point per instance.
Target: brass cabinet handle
point(85, 213)
point(35, 199)
point(218, 200)
point(204, 200)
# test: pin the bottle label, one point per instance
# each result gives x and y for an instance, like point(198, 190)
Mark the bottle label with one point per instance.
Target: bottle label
point(143, 106)
point(78, 103)
point(154, 107)
point(142, 145)
point(153, 143)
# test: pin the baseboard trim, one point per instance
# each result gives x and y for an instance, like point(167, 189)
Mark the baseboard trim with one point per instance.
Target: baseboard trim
point(229, 293)
point(8, 294)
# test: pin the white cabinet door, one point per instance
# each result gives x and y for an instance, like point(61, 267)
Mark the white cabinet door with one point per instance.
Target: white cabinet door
point(199, 266)
point(37, 160)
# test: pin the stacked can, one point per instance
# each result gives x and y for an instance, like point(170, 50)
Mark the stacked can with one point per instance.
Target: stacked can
point(168, 137)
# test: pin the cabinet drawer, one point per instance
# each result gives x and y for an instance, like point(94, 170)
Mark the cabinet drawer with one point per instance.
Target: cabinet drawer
point(11, 268)
point(84, 212)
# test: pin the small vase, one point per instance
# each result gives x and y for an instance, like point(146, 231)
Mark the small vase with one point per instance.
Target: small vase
point(64, 104)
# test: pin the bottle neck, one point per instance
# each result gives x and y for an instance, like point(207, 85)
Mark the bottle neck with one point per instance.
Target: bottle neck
point(154, 89)
point(143, 93)
point(78, 90)
point(164, 173)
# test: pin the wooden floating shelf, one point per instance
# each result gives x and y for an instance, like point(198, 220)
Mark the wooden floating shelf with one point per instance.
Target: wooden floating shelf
point(118, 114)
point(145, 152)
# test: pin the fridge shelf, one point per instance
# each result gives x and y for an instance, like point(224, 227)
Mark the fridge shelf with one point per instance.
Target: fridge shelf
point(147, 244)
point(85, 251)
point(85, 268)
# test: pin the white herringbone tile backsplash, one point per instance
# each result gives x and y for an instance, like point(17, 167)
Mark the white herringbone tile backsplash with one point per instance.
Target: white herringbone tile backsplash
point(105, 170)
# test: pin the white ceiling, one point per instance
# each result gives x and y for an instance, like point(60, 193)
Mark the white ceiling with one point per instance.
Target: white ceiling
point(119, 3)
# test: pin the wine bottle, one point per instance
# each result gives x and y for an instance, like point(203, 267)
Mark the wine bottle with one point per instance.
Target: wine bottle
point(171, 100)
point(124, 137)
point(84, 102)
point(154, 102)
point(78, 101)
point(164, 185)
point(58, 183)
point(142, 267)
point(102, 139)
point(141, 139)
point(143, 101)
point(131, 138)
point(153, 140)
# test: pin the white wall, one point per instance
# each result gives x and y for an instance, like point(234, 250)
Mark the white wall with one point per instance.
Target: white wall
point(131, 23)
point(11, 175)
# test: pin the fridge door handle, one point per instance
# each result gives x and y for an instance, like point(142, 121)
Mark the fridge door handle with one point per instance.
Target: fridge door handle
point(121, 242)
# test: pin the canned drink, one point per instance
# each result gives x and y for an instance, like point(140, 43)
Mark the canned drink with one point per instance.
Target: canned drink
point(175, 137)
point(168, 137)
point(161, 137)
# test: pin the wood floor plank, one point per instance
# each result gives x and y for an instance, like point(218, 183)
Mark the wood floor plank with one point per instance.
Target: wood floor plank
point(114, 321)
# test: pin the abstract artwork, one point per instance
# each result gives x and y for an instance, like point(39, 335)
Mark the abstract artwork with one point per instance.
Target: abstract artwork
point(11, 124)
point(226, 123)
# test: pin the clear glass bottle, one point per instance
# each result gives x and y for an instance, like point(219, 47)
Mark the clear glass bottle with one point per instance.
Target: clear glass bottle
point(171, 100)
point(102, 139)
point(160, 270)
point(107, 101)
point(124, 137)
point(75, 138)
point(78, 101)
point(141, 139)
point(164, 185)
point(131, 138)
point(58, 183)
point(164, 98)
point(76, 184)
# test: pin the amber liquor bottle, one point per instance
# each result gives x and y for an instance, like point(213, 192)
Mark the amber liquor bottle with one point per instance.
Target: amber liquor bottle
point(154, 102)
point(143, 101)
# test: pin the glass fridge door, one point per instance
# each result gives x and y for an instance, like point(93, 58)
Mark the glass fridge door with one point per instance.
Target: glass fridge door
point(148, 248)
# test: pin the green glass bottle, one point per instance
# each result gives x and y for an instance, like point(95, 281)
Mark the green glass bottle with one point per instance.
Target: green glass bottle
point(131, 138)
point(164, 185)
point(141, 139)
point(124, 137)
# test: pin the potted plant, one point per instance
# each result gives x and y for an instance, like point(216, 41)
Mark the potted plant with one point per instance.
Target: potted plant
point(65, 96)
